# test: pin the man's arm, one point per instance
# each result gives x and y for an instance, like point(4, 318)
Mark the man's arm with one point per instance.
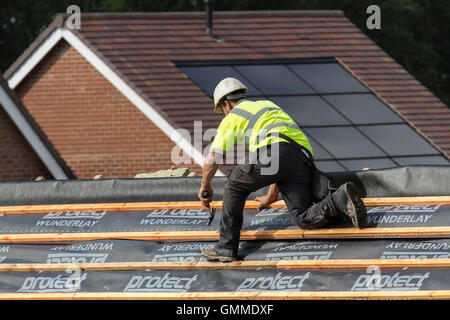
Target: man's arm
point(270, 197)
point(209, 170)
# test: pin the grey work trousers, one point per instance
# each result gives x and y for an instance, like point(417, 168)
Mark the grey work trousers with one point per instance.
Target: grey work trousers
point(293, 178)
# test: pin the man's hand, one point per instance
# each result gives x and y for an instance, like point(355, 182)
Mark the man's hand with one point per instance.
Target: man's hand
point(209, 170)
point(264, 202)
point(269, 198)
point(201, 196)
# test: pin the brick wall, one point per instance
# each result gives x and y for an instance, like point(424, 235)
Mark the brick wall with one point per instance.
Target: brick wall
point(93, 126)
point(18, 161)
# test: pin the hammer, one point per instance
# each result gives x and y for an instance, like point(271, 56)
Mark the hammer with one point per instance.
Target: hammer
point(212, 211)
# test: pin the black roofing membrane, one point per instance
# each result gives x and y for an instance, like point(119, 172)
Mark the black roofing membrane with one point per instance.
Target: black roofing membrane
point(195, 219)
point(98, 251)
point(398, 182)
point(408, 181)
point(410, 279)
point(349, 279)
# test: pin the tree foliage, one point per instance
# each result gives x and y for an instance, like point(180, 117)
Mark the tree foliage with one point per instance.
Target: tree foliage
point(413, 32)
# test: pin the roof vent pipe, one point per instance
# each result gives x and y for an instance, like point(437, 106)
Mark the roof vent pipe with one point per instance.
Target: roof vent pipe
point(209, 6)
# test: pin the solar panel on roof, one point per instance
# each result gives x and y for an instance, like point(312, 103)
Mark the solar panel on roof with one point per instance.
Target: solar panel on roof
point(310, 110)
point(359, 164)
point(349, 127)
point(207, 77)
point(363, 108)
point(319, 152)
point(328, 77)
point(274, 79)
point(345, 142)
point(433, 160)
point(329, 166)
point(398, 140)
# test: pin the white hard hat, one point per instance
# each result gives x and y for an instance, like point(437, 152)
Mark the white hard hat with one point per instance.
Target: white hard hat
point(224, 88)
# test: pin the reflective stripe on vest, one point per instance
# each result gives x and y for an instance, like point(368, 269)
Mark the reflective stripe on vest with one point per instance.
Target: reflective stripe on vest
point(253, 119)
point(250, 122)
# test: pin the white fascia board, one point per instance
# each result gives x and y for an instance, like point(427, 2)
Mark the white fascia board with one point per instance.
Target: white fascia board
point(30, 135)
point(114, 79)
point(35, 58)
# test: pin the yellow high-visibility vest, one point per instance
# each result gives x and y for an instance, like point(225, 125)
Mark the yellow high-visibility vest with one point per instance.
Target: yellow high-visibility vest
point(255, 124)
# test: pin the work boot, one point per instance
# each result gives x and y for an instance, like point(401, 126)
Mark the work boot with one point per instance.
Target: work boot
point(347, 200)
point(218, 254)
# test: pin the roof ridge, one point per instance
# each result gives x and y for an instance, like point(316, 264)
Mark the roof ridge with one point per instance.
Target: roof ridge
point(196, 14)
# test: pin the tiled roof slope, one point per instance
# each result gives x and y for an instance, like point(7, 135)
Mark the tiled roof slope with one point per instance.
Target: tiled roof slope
point(142, 48)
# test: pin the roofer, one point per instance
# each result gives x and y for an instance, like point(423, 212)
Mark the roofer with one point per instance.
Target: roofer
point(270, 133)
